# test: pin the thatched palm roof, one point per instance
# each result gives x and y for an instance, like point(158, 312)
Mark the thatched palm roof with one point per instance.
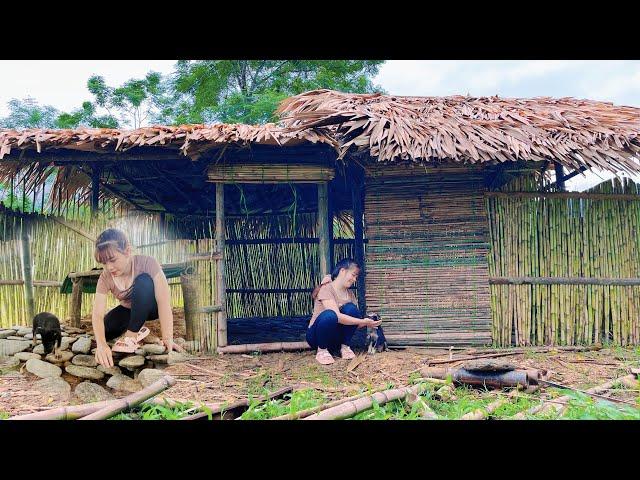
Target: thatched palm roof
point(467, 129)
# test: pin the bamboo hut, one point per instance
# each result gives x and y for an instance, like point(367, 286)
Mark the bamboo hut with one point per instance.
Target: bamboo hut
point(455, 206)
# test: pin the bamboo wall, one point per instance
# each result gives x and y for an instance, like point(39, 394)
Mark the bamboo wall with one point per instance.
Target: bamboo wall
point(57, 250)
point(565, 237)
point(427, 272)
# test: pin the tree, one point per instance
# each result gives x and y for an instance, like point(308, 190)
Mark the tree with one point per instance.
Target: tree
point(248, 91)
point(86, 116)
point(135, 102)
point(27, 113)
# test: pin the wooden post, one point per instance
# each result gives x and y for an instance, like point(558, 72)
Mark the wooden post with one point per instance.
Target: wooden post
point(560, 177)
point(95, 188)
point(358, 227)
point(330, 205)
point(323, 229)
point(190, 296)
point(76, 301)
point(220, 240)
point(27, 270)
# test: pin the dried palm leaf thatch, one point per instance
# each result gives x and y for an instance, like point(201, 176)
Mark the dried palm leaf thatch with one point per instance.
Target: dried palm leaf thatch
point(472, 129)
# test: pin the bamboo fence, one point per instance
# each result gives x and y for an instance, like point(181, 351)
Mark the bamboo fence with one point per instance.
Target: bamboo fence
point(565, 237)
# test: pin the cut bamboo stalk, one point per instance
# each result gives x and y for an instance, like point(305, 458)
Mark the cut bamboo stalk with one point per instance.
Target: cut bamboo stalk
point(221, 298)
point(132, 400)
point(319, 408)
point(264, 347)
point(482, 413)
point(72, 412)
point(351, 408)
point(27, 268)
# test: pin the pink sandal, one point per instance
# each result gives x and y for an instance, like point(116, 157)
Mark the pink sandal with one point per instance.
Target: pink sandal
point(142, 334)
point(126, 345)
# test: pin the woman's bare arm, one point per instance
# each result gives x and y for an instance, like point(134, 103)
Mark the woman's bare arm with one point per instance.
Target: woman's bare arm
point(343, 318)
point(97, 318)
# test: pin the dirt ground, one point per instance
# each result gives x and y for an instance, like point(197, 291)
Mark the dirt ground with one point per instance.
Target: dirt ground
point(231, 377)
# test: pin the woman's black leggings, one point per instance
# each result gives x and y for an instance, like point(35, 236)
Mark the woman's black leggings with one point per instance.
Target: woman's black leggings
point(143, 307)
point(326, 332)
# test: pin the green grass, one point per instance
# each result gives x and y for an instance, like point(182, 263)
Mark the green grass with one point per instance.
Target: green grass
point(292, 402)
point(4, 415)
point(158, 412)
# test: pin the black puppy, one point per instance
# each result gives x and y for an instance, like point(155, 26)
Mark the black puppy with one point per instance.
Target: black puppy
point(376, 341)
point(48, 326)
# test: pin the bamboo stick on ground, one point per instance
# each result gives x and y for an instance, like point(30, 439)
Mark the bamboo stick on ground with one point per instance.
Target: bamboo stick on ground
point(319, 408)
point(351, 408)
point(482, 413)
point(560, 404)
point(72, 412)
point(264, 347)
point(132, 400)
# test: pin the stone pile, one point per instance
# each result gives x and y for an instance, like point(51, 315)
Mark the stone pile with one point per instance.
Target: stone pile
point(130, 373)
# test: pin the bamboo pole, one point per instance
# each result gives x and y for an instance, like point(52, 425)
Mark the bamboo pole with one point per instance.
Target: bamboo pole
point(351, 408)
point(221, 298)
point(482, 413)
point(76, 301)
point(264, 347)
point(132, 400)
point(323, 228)
point(27, 268)
point(319, 408)
point(70, 412)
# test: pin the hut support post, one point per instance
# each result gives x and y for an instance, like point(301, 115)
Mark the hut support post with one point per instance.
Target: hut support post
point(330, 225)
point(221, 287)
point(76, 301)
point(358, 227)
point(560, 177)
point(27, 270)
point(95, 188)
point(323, 228)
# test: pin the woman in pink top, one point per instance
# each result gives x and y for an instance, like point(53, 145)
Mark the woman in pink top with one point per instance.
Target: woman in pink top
point(139, 283)
point(335, 314)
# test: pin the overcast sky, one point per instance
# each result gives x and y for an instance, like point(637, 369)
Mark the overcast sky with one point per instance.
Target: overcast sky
point(62, 83)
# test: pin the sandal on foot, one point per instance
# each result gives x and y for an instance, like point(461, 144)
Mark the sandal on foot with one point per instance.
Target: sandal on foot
point(324, 357)
point(346, 352)
point(126, 345)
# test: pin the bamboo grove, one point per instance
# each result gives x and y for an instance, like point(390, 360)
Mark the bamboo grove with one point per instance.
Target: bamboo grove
point(565, 237)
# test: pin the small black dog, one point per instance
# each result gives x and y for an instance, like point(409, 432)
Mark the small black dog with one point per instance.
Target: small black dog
point(48, 326)
point(376, 341)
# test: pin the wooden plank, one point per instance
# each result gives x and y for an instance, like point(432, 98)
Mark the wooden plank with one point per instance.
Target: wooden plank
point(76, 302)
point(323, 229)
point(220, 279)
point(36, 283)
point(270, 173)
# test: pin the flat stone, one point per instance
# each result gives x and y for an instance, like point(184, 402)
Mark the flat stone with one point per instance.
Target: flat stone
point(54, 386)
point(29, 336)
point(17, 327)
point(179, 340)
point(15, 337)
point(43, 369)
point(84, 372)
point(65, 356)
point(11, 347)
point(488, 365)
point(177, 357)
point(7, 333)
point(153, 349)
point(7, 364)
point(110, 370)
point(139, 351)
point(70, 329)
point(23, 331)
point(39, 349)
point(85, 361)
point(64, 334)
point(150, 339)
point(149, 375)
point(24, 356)
point(66, 342)
point(132, 362)
point(82, 345)
point(88, 392)
point(159, 358)
point(124, 384)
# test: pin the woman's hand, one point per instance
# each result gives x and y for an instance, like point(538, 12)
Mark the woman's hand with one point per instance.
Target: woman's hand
point(170, 345)
point(371, 323)
point(104, 356)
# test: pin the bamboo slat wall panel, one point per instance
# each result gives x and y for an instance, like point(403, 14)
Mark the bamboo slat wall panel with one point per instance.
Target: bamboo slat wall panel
point(427, 272)
point(565, 237)
point(57, 250)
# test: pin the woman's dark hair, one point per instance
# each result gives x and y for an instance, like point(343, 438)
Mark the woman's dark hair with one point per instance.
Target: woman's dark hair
point(345, 263)
point(109, 241)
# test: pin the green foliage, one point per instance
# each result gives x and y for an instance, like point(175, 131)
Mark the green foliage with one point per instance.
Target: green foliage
point(4, 415)
point(248, 91)
point(584, 407)
point(133, 103)
point(151, 411)
point(27, 113)
point(291, 403)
